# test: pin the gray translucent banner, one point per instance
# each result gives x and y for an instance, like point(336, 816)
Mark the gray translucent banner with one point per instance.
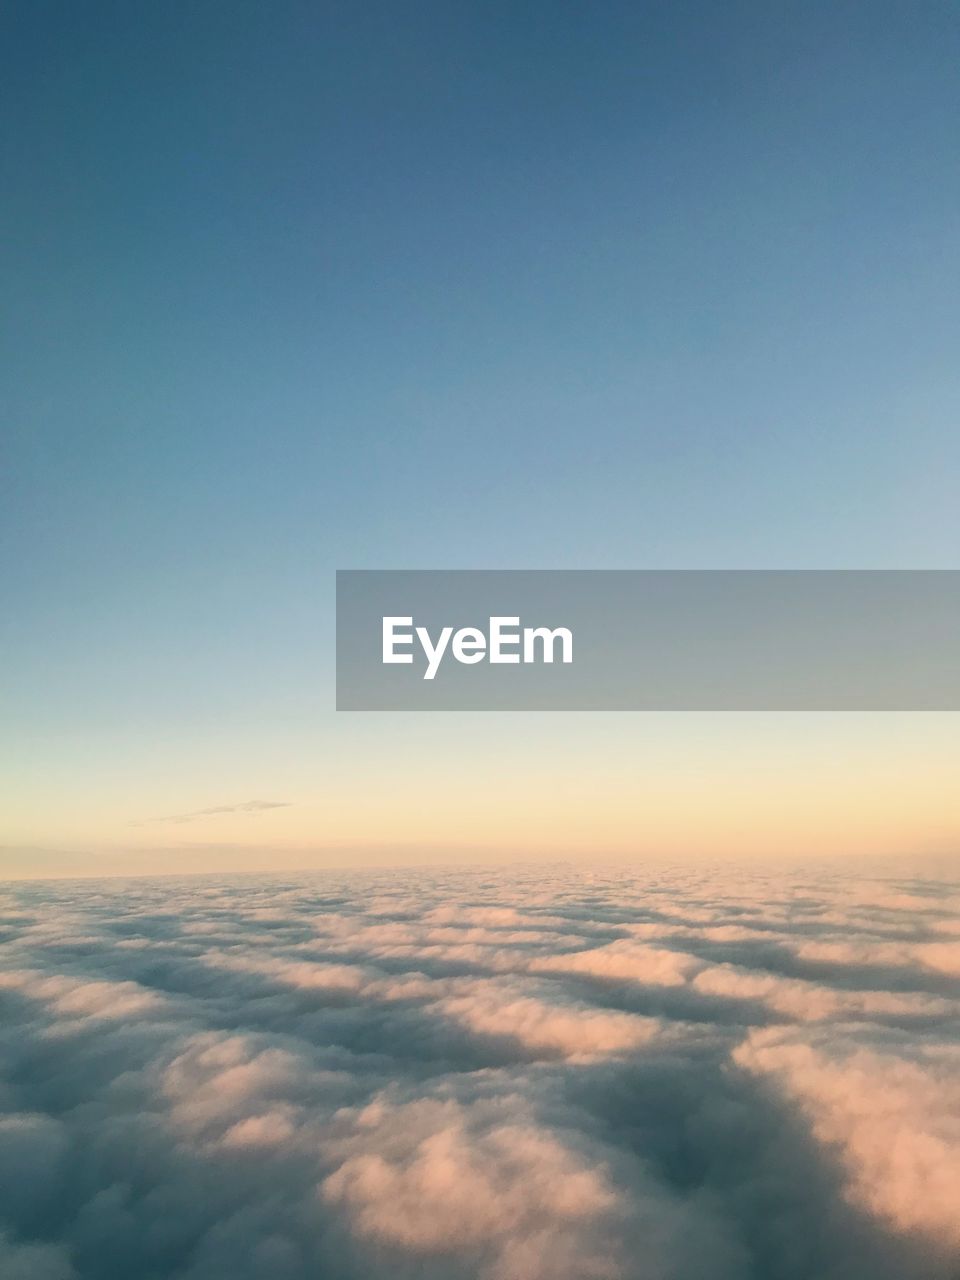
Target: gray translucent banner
point(645, 640)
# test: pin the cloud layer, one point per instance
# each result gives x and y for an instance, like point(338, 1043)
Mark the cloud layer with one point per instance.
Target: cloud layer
point(511, 1075)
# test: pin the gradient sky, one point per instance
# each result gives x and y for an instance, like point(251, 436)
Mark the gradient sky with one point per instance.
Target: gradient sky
point(298, 286)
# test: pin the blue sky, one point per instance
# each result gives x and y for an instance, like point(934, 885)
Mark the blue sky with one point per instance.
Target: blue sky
point(293, 287)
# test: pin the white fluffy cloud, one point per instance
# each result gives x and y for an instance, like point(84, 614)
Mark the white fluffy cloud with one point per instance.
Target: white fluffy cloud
point(890, 1108)
point(512, 1076)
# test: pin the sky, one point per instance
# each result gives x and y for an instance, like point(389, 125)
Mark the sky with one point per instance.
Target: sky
point(298, 287)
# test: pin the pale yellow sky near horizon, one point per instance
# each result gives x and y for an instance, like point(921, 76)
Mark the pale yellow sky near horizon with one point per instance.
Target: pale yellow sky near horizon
point(407, 789)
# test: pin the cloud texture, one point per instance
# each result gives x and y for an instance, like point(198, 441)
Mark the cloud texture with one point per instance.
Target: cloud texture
point(511, 1075)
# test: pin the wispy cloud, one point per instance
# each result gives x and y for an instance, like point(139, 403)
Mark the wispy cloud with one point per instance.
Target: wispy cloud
point(244, 806)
